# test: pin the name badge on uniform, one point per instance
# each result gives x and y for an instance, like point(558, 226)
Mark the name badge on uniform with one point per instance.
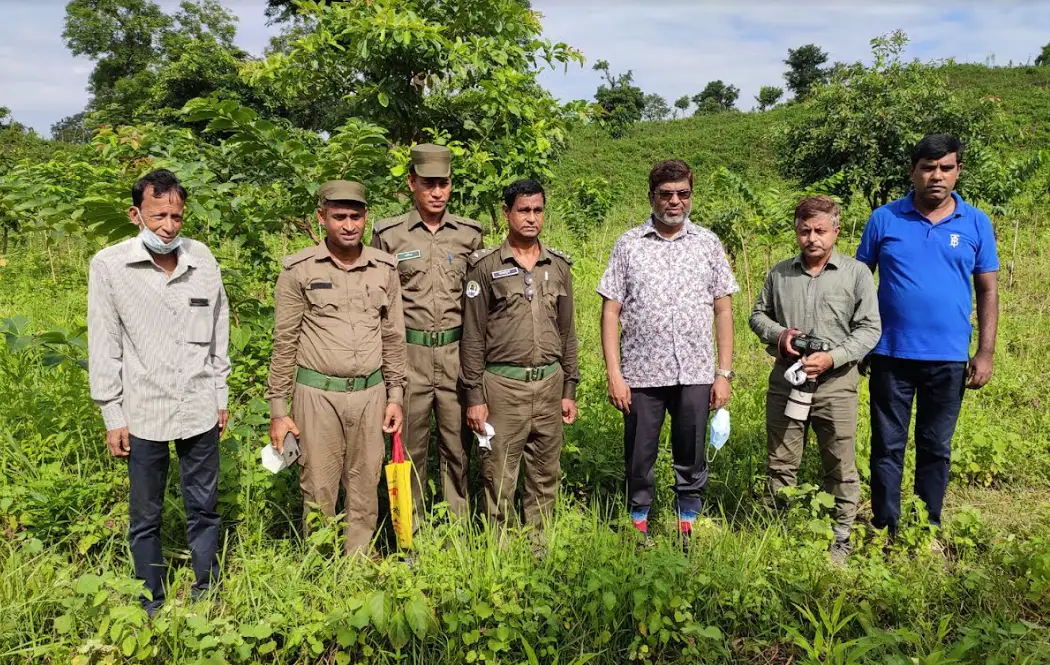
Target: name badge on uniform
point(198, 302)
point(509, 272)
point(320, 285)
point(408, 256)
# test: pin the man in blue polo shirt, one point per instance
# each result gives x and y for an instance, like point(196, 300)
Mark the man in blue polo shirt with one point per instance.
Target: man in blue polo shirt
point(927, 248)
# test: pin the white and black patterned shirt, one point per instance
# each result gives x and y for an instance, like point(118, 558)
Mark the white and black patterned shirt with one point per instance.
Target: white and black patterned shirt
point(666, 289)
point(157, 344)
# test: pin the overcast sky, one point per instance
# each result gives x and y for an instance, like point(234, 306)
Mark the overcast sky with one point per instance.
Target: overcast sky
point(674, 47)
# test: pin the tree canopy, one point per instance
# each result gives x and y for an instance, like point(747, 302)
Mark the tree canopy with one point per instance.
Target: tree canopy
point(866, 120)
point(805, 69)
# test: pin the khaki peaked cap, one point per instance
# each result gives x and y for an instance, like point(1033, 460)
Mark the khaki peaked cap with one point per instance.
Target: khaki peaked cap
point(431, 161)
point(342, 190)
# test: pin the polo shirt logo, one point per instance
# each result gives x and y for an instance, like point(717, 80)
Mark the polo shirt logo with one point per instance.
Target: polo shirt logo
point(953, 241)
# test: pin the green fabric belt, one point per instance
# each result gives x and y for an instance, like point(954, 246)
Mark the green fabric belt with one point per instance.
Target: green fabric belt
point(437, 338)
point(337, 384)
point(522, 373)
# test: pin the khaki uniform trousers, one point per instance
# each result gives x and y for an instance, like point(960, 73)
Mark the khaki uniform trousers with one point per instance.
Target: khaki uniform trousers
point(833, 418)
point(432, 387)
point(341, 444)
point(526, 416)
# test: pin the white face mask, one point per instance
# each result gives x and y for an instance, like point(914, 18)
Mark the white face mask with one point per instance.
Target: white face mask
point(152, 241)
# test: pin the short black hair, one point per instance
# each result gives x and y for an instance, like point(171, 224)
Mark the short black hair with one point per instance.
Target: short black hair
point(522, 187)
point(162, 181)
point(935, 146)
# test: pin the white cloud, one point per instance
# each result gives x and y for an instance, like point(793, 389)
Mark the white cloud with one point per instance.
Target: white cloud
point(674, 47)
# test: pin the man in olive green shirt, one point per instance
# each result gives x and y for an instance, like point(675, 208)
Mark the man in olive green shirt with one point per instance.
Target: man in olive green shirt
point(827, 295)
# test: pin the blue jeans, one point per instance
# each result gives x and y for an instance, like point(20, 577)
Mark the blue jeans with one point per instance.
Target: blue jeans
point(937, 389)
point(199, 480)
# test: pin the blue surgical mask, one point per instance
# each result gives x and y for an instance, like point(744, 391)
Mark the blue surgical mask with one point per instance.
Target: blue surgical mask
point(153, 242)
point(718, 431)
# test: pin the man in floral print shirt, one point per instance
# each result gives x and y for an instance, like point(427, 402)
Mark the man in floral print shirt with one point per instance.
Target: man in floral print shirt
point(667, 285)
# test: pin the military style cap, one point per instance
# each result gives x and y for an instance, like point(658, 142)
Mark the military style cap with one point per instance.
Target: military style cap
point(342, 190)
point(431, 161)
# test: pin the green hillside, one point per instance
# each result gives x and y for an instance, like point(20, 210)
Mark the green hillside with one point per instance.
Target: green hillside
point(741, 141)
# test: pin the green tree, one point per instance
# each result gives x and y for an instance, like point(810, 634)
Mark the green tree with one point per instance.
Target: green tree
point(768, 97)
point(805, 69)
point(72, 129)
point(681, 104)
point(1043, 59)
point(655, 107)
point(458, 71)
point(865, 122)
point(148, 63)
point(619, 98)
point(716, 97)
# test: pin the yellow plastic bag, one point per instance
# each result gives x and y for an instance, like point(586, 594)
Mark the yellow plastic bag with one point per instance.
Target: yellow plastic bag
point(399, 485)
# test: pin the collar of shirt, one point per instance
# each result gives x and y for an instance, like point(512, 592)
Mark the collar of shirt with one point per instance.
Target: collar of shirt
point(506, 253)
point(908, 205)
point(415, 219)
point(834, 262)
point(322, 253)
point(139, 254)
point(688, 228)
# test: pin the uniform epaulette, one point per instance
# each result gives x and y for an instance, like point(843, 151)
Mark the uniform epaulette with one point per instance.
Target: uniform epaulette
point(298, 257)
point(389, 222)
point(381, 256)
point(474, 224)
point(561, 254)
point(479, 254)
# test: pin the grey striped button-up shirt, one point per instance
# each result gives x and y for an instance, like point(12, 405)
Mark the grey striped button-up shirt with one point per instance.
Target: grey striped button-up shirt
point(157, 344)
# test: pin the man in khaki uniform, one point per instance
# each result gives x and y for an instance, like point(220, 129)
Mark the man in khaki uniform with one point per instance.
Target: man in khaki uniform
point(339, 352)
point(519, 359)
point(431, 246)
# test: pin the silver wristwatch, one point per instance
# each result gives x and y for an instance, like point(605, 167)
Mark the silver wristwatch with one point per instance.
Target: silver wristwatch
point(727, 374)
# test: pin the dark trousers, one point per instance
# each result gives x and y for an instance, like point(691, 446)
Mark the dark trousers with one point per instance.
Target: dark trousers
point(199, 479)
point(937, 389)
point(688, 406)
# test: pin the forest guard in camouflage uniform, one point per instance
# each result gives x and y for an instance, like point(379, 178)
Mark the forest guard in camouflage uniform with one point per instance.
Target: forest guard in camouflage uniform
point(518, 358)
point(431, 246)
point(339, 352)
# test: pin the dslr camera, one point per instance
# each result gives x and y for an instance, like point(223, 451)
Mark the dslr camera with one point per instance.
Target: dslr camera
point(800, 399)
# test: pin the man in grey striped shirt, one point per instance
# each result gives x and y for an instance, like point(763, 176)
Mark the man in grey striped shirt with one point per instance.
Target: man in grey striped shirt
point(158, 329)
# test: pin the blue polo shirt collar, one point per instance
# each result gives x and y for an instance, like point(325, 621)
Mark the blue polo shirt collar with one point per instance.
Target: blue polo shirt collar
point(908, 205)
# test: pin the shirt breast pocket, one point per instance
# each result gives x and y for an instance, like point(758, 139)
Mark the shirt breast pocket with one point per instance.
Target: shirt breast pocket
point(322, 298)
point(201, 325)
point(508, 293)
point(411, 269)
point(840, 307)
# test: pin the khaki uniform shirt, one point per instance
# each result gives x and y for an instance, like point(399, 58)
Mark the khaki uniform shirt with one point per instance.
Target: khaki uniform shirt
point(500, 325)
point(343, 322)
point(839, 305)
point(431, 266)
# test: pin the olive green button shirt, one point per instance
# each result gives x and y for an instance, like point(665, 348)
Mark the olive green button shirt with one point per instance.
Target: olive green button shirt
point(839, 305)
point(501, 325)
